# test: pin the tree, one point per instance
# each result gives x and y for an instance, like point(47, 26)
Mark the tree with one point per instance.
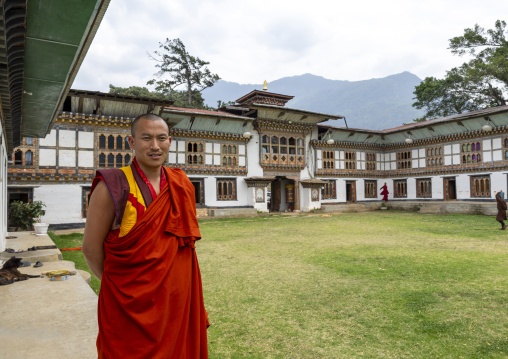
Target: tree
point(182, 69)
point(138, 91)
point(179, 98)
point(480, 83)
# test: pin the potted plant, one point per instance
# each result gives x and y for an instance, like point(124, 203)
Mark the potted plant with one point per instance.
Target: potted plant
point(22, 216)
point(36, 211)
point(383, 206)
point(18, 216)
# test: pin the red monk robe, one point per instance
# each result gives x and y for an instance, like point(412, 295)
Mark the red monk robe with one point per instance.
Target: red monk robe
point(151, 300)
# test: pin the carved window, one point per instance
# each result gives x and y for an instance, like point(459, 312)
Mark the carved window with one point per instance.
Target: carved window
point(403, 160)
point(29, 158)
point(283, 146)
point(195, 153)
point(127, 160)
point(18, 158)
point(471, 152)
point(111, 142)
point(423, 188)
point(119, 160)
point(350, 160)
point(300, 147)
point(480, 186)
point(111, 160)
point(229, 155)
point(102, 160)
point(370, 161)
point(400, 188)
point(329, 190)
point(226, 189)
point(434, 156)
point(85, 196)
point(282, 150)
point(328, 160)
point(370, 189)
point(102, 141)
point(126, 143)
point(119, 141)
point(29, 141)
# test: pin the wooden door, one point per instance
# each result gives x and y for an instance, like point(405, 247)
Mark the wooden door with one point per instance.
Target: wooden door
point(351, 191)
point(450, 190)
point(276, 195)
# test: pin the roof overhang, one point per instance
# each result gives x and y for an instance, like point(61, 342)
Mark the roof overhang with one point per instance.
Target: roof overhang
point(497, 117)
point(291, 114)
point(44, 43)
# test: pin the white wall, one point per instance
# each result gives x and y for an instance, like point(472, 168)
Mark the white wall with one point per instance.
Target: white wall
point(253, 167)
point(3, 191)
point(63, 202)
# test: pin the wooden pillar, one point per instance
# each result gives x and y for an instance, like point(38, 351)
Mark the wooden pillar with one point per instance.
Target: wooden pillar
point(297, 195)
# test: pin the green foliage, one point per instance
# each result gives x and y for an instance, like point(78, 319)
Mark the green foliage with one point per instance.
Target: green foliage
point(182, 69)
point(480, 83)
point(179, 98)
point(225, 103)
point(22, 215)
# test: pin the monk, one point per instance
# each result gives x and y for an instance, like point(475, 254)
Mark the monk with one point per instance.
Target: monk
point(501, 209)
point(384, 192)
point(139, 241)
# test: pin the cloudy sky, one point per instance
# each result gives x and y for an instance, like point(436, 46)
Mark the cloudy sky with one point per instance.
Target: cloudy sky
point(249, 41)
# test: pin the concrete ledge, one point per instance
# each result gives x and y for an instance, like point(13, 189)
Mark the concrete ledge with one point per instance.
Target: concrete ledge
point(46, 319)
point(459, 207)
point(24, 240)
point(85, 275)
point(233, 212)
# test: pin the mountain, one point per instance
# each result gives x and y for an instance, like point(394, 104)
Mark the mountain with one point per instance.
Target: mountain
point(374, 104)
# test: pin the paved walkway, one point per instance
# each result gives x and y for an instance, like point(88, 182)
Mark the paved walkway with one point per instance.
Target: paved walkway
point(40, 318)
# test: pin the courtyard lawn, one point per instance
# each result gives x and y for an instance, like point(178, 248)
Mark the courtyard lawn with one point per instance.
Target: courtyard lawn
point(361, 285)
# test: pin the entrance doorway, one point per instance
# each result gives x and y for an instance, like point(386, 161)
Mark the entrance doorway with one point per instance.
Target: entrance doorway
point(350, 191)
point(22, 194)
point(199, 191)
point(450, 189)
point(282, 195)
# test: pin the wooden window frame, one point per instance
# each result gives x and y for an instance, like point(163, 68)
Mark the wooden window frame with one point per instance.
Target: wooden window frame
point(480, 186)
point(400, 188)
point(271, 150)
point(329, 190)
point(370, 189)
point(471, 152)
point(370, 161)
point(328, 158)
point(195, 153)
point(349, 160)
point(229, 155)
point(423, 188)
point(404, 160)
point(227, 185)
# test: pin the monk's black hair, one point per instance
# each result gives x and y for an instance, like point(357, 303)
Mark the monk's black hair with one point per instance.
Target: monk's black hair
point(146, 116)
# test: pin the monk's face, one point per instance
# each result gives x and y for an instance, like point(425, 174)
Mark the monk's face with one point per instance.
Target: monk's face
point(151, 142)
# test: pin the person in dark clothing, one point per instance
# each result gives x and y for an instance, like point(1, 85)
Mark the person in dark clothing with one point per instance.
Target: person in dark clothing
point(501, 209)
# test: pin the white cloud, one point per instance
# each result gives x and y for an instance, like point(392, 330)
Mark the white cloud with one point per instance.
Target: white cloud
point(250, 41)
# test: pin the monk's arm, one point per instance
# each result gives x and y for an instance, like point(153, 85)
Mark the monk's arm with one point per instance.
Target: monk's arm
point(100, 216)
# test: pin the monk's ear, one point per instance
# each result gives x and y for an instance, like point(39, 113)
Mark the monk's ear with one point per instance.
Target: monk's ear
point(131, 142)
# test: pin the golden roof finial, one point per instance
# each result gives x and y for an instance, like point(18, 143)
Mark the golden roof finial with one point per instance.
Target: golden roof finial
point(264, 86)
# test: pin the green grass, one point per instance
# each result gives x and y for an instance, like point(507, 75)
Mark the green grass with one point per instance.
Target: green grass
point(75, 240)
point(364, 285)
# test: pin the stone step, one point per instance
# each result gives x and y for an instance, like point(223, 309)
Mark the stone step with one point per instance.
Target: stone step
point(344, 207)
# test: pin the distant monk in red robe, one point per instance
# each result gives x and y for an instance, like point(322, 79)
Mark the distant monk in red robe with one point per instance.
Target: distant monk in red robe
point(385, 193)
point(139, 240)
